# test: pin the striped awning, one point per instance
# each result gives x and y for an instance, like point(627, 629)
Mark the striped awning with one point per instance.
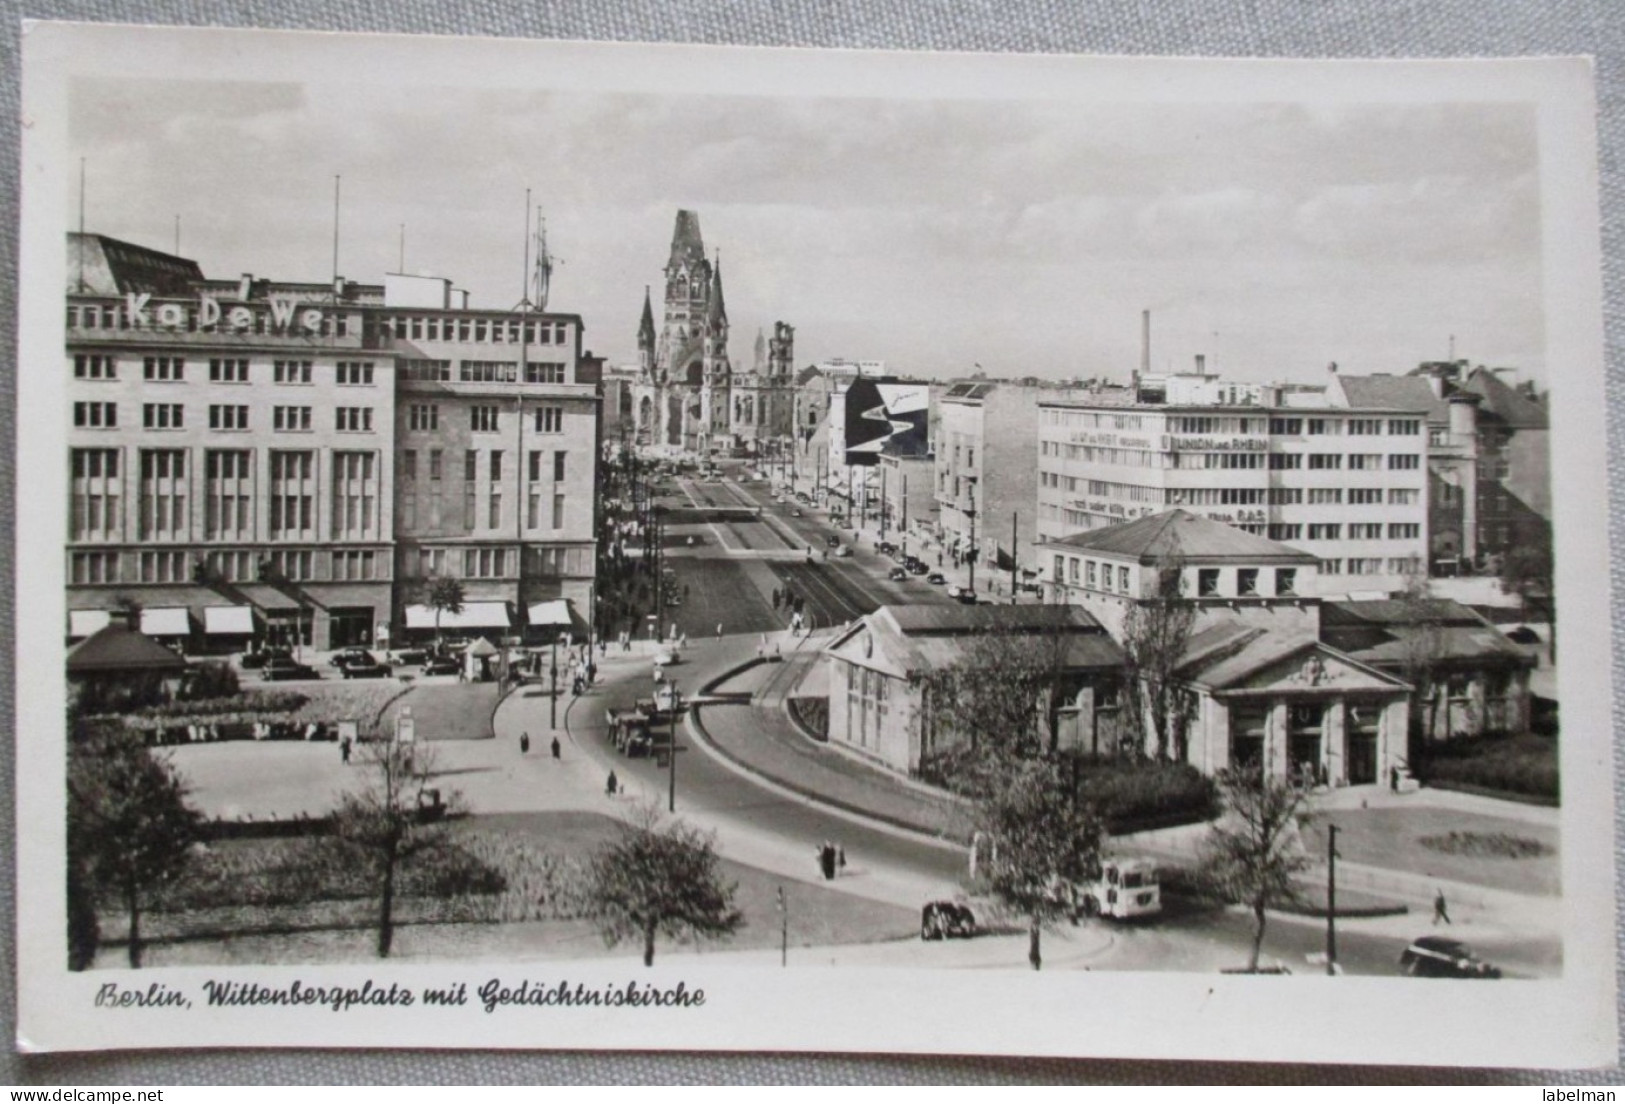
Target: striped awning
point(228, 621)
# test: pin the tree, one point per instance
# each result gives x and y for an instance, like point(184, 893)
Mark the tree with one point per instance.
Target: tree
point(445, 595)
point(1422, 650)
point(1156, 633)
point(130, 831)
point(660, 879)
point(999, 704)
point(1254, 853)
point(1527, 572)
point(394, 817)
point(1043, 841)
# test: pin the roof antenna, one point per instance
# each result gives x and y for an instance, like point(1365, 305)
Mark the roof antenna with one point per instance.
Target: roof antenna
point(336, 180)
point(524, 271)
point(81, 224)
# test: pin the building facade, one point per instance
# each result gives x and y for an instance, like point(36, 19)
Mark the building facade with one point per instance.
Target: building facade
point(1346, 484)
point(986, 473)
point(290, 462)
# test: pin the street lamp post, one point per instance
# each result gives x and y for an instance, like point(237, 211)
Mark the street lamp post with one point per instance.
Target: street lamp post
point(671, 757)
point(970, 513)
point(553, 685)
point(1331, 900)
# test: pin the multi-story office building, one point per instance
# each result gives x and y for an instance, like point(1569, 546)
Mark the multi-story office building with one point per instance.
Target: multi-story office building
point(985, 475)
point(1344, 483)
point(290, 461)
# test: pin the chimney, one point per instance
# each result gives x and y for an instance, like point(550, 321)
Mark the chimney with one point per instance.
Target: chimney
point(338, 287)
point(1145, 343)
point(1201, 364)
point(245, 286)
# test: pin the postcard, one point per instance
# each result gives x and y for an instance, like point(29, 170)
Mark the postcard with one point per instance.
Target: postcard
point(567, 545)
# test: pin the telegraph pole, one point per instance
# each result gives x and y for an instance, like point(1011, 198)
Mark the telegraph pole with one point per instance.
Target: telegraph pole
point(970, 513)
point(904, 528)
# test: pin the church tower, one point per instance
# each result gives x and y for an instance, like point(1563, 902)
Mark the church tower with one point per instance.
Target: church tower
point(689, 377)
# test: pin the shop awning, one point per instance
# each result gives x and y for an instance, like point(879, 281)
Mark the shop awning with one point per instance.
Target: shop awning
point(474, 615)
point(556, 614)
point(84, 622)
point(228, 621)
point(166, 621)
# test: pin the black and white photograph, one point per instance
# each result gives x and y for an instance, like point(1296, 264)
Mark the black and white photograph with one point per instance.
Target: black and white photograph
point(533, 544)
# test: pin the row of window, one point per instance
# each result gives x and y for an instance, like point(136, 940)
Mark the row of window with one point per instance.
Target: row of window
point(479, 331)
point(1373, 565)
point(482, 418)
point(172, 369)
point(229, 566)
point(1364, 530)
point(222, 416)
point(1354, 427)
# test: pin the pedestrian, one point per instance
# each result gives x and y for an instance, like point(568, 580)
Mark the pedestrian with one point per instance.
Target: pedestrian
point(556, 747)
point(1440, 912)
point(775, 599)
point(840, 857)
point(778, 653)
point(826, 860)
point(524, 743)
point(344, 749)
point(613, 785)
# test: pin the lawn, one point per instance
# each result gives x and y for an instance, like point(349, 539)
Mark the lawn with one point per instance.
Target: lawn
point(1393, 838)
point(338, 931)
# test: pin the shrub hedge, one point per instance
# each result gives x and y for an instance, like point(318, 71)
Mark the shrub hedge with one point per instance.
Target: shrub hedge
point(1524, 766)
point(1133, 795)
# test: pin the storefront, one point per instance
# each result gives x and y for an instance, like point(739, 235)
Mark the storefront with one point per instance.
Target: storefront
point(228, 628)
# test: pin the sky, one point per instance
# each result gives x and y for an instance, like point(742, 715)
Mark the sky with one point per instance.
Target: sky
point(941, 236)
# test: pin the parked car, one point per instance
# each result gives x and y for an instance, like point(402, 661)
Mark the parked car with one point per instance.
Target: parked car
point(347, 656)
point(357, 667)
point(937, 578)
point(441, 665)
point(844, 550)
point(897, 574)
point(286, 667)
point(967, 597)
point(947, 920)
point(409, 657)
point(256, 659)
point(954, 590)
point(1439, 956)
point(833, 541)
point(795, 513)
point(885, 548)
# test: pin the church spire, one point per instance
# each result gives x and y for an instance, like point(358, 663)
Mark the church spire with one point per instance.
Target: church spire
point(687, 248)
point(716, 311)
point(646, 328)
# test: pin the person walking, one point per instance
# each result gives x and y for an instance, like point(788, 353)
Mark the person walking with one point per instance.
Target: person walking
point(556, 750)
point(344, 749)
point(613, 785)
point(1440, 910)
point(524, 743)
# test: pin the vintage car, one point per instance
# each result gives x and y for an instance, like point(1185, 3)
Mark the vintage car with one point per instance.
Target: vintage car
point(1437, 956)
point(286, 667)
point(947, 920)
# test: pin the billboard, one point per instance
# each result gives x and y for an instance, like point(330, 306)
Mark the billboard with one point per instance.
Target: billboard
point(881, 414)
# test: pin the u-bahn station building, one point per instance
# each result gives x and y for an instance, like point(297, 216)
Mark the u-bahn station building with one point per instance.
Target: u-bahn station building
point(256, 460)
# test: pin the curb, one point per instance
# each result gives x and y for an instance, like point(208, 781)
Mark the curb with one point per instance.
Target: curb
point(696, 728)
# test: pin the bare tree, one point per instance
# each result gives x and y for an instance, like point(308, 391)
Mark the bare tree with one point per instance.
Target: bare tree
point(1254, 853)
point(130, 830)
point(660, 878)
point(1044, 841)
point(392, 818)
point(1156, 633)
